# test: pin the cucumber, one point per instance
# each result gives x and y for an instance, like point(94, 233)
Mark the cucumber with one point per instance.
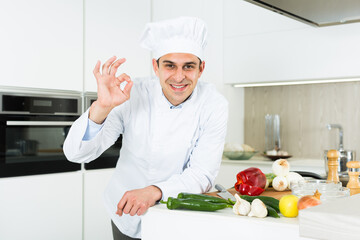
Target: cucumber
point(203, 197)
point(272, 212)
point(270, 201)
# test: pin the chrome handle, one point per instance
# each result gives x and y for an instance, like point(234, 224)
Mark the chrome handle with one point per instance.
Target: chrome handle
point(39, 123)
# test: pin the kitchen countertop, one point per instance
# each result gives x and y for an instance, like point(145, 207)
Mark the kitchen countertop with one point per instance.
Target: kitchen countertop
point(296, 164)
point(333, 220)
point(336, 219)
point(265, 161)
point(160, 223)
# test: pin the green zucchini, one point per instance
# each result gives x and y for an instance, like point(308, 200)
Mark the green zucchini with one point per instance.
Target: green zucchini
point(272, 212)
point(204, 197)
point(270, 201)
point(194, 204)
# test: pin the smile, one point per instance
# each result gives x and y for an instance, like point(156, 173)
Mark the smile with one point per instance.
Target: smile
point(178, 87)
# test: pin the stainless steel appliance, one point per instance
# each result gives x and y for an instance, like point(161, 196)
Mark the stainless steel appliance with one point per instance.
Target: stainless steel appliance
point(315, 12)
point(109, 158)
point(272, 133)
point(33, 127)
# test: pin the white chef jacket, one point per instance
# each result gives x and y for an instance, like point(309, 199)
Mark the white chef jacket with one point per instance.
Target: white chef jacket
point(177, 149)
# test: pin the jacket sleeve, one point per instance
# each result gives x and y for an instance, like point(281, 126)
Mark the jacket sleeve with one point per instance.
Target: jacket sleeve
point(204, 161)
point(78, 150)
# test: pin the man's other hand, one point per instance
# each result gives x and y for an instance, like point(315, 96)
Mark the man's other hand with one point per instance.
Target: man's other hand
point(138, 201)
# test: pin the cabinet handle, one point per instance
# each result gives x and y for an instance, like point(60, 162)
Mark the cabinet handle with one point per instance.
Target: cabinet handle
point(39, 123)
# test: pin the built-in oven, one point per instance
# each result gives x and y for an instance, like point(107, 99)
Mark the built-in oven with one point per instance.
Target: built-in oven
point(33, 127)
point(109, 158)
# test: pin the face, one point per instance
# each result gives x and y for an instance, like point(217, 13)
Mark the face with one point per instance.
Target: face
point(178, 74)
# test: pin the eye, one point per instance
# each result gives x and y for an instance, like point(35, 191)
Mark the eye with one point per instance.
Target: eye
point(189, 67)
point(170, 66)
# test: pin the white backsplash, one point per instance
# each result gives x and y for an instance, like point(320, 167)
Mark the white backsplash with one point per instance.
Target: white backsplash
point(304, 112)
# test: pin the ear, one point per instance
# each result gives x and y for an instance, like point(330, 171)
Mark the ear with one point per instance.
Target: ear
point(201, 68)
point(155, 67)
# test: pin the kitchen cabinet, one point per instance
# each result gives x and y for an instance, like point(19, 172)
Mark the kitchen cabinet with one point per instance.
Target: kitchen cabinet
point(42, 44)
point(279, 51)
point(97, 223)
point(111, 28)
point(41, 207)
point(242, 18)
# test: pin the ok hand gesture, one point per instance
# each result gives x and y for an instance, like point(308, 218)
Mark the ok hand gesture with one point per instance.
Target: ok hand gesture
point(109, 92)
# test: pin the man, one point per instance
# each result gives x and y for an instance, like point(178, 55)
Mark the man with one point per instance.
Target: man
point(173, 126)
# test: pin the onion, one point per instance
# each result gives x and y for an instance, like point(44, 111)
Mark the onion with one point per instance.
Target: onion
point(281, 167)
point(293, 177)
point(309, 200)
point(279, 183)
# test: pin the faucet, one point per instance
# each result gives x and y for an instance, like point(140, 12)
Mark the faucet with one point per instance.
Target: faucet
point(338, 126)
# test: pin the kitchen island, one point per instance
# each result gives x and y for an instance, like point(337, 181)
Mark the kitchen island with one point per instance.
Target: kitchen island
point(161, 223)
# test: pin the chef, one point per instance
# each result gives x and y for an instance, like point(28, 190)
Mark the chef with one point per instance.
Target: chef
point(173, 125)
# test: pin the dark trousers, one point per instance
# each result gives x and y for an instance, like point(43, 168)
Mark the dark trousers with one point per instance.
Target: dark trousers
point(117, 235)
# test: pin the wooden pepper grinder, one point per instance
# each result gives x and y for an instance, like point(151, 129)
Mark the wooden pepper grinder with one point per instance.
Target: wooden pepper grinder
point(333, 164)
point(353, 183)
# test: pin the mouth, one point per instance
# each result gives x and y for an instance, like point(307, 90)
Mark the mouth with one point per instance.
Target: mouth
point(178, 87)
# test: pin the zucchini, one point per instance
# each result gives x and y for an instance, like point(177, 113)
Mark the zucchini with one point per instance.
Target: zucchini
point(203, 197)
point(270, 201)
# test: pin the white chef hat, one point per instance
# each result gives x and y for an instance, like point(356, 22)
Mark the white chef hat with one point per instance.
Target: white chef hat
point(179, 35)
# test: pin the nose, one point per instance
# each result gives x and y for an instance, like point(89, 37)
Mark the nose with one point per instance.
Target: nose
point(179, 75)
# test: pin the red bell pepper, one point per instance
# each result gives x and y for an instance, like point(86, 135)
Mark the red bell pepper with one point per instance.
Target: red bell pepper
point(250, 182)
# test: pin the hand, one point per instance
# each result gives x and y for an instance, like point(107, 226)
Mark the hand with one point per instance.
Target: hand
point(138, 201)
point(109, 93)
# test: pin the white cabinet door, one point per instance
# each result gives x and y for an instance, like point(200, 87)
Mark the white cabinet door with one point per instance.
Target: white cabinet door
point(97, 223)
point(302, 54)
point(262, 46)
point(42, 44)
point(41, 207)
point(244, 18)
point(114, 28)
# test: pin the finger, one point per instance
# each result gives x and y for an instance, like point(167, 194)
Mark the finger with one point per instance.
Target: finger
point(123, 77)
point(96, 70)
point(116, 65)
point(107, 64)
point(127, 89)
point(142, 210)
point(119, 212)
point(120, 206)
point(128, 206)
point(134, 210)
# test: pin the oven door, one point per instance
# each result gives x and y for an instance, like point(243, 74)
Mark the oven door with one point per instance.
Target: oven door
point(32, 144)
point(108, 159)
